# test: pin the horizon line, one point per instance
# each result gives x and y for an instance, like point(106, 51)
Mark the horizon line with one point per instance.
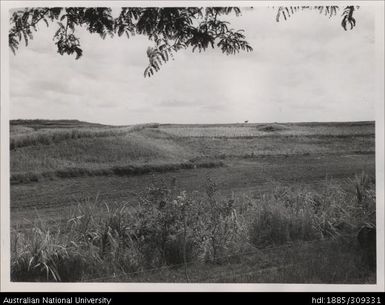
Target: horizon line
point(175, 123)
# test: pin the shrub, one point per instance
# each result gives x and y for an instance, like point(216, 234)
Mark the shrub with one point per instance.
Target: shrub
point(178, 251)
point(162, 226)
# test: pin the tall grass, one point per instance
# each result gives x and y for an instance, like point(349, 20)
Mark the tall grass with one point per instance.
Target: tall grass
point(17, 129)
point(97, 153)
point(43, 255)
point(57, 135)
point(288, 214)
point(173, 229)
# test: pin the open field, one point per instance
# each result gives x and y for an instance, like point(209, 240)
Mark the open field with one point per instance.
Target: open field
point(56, 168)
point(48, 152)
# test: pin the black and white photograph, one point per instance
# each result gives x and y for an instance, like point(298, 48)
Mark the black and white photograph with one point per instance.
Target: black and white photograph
point(184, 142)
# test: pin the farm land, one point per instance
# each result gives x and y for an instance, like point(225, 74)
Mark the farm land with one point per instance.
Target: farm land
point(266, 203)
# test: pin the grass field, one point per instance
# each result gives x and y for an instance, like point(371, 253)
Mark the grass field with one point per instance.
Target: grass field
point(278, 201)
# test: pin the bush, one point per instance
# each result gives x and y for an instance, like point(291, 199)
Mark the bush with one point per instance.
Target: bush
point(163, 226)
point(177, 251)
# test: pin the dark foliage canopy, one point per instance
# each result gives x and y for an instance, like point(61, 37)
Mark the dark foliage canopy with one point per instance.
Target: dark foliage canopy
point(170, 28)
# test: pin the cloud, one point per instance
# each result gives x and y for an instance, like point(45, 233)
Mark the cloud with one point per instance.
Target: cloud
point(171, 103)
point(50, 85)
point(305, 69)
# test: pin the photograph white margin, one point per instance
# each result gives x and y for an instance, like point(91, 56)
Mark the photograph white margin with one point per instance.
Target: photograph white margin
point(8, 286)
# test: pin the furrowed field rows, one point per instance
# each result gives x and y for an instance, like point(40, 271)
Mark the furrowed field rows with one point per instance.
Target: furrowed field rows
point(287, 136)
point(269, 130)
point(239, 176)
point(165, 148)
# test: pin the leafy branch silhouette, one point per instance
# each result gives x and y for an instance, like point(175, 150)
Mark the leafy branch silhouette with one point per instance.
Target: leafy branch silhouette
point(330, 11)
point(170, 29)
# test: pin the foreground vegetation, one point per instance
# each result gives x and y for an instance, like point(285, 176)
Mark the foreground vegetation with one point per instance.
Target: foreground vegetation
point(291, 234)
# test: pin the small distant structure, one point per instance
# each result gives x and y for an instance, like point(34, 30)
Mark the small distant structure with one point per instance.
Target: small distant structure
point(246, 122)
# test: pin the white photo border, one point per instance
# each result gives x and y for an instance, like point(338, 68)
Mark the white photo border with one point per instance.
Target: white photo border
point(8, 286)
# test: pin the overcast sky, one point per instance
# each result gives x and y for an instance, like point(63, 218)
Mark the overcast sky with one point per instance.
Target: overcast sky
point(304, 69)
